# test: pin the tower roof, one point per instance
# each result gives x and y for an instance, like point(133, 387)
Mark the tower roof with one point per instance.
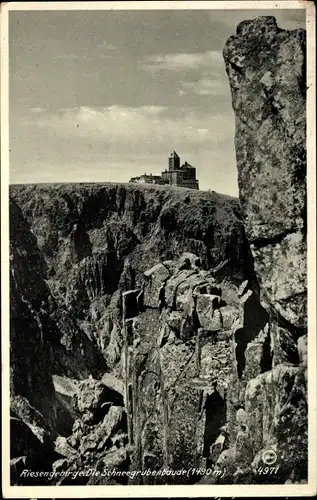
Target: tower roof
point(174, 155)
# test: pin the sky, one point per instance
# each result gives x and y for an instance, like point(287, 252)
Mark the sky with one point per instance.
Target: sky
point(101, 96)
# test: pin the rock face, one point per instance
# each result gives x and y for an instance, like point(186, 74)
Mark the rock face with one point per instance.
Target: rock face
point(210, 369)
point(74, 250)
point(180, 408)
point(267, 75)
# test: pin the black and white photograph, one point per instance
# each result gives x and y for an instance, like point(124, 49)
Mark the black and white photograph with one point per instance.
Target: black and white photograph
point(158, 249)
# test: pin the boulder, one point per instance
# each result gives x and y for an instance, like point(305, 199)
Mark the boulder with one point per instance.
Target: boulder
point(217, 448)
point(22, 408)
point(225, 467)
point(92, 394)
point(63, 447)
point(172, 285)
point(174, 320)
point(188, 260)
point(114, 383)
point(242, 419)
point(79, 428)
point(65, 385)
point(115, 459)
point(154, 280)
point(209, 315)
point(100, 435)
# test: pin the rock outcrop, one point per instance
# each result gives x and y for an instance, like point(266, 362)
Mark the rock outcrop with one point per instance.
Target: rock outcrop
point(267, 75)
point(74, 250)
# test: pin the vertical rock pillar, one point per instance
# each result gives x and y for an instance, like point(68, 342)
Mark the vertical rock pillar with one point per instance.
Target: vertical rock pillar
point(266, 67)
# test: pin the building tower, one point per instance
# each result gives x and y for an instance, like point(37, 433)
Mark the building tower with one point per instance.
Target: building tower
point(174, 161)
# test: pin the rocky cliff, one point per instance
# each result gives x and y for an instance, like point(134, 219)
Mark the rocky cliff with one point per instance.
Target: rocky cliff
point(267, 74)
point(266, 67)
point(206, 370)
point(74, 250)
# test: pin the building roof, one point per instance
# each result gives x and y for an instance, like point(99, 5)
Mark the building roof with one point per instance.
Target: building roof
point(174, 155)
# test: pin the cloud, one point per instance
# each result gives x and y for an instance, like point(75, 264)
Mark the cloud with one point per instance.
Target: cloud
point(206, 86)
point(97, 144)
point(135, 129)
point(185, 61)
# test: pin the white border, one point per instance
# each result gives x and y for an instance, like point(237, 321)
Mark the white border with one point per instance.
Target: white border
point(164, 5)
point(162, 491)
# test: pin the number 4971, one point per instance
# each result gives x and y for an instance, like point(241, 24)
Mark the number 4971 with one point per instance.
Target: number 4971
point(268, 470)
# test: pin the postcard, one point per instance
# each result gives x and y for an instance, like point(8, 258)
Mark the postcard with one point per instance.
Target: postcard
point(158, 246)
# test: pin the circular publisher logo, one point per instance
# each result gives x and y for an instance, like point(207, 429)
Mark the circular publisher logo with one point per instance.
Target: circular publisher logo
point(269, 457)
